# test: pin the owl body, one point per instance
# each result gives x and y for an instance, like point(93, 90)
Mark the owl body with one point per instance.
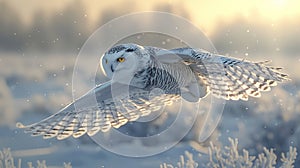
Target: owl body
point(183, 72)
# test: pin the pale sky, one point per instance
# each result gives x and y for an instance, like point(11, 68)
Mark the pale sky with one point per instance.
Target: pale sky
point(204, 13)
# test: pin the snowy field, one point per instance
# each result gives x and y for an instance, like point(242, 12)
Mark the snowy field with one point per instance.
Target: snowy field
point(33, 87)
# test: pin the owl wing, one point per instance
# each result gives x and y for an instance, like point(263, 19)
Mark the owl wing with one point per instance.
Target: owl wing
point(226, 78)
point(99, 110)
point(229, 78)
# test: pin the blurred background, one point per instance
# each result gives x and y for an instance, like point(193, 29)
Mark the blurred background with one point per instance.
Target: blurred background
point(39, 43)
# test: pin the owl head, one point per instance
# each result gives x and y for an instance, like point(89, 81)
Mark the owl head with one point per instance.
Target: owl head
point(123, 61)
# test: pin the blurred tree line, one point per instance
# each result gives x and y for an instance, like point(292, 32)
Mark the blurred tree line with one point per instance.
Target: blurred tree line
point(66, 31)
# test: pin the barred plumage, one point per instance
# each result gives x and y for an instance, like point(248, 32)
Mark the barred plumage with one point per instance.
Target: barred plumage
point(186, 72)
point(108, 113)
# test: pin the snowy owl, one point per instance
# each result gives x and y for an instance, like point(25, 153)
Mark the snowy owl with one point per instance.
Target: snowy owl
point(186, 73)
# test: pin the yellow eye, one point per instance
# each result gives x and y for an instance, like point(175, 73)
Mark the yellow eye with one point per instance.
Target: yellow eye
point(121, 59)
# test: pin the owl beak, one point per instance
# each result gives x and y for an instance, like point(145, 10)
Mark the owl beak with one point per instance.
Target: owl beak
point(106, 61)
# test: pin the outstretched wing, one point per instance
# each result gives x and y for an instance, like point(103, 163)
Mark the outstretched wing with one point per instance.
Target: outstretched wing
point(231, 78)
point(225, 77)
point(99, 110)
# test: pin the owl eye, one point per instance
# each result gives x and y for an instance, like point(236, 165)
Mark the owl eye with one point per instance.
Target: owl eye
point(121, 59)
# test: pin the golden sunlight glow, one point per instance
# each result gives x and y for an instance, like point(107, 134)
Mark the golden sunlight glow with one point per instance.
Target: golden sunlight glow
point(205, 13)
point(280, 3)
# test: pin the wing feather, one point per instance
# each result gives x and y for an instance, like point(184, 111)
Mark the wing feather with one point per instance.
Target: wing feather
point(230, 78)
point(108, 112)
